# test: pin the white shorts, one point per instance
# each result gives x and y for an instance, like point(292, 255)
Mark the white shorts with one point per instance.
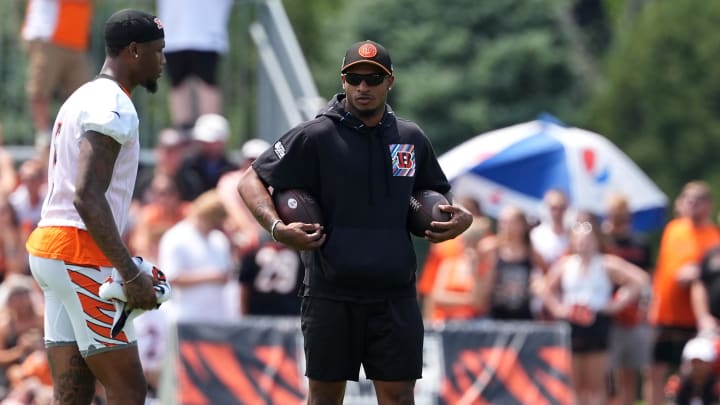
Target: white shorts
point(74, 313)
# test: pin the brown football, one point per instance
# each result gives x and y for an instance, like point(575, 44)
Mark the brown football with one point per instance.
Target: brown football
point(297, 205)
point(424, 209)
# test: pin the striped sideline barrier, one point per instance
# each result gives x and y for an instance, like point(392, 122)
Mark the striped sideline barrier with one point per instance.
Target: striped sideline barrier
point(261, 361)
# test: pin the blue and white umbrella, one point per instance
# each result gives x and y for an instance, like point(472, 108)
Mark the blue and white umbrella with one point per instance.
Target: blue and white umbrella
point(518, 164)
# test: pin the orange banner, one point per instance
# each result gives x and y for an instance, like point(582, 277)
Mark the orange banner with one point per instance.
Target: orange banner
point(260, 361)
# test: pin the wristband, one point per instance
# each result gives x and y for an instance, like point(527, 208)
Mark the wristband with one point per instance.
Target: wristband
point(272, 229)
point(134, 278)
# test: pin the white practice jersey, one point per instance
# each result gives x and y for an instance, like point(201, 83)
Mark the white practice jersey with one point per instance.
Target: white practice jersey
point(101, 106)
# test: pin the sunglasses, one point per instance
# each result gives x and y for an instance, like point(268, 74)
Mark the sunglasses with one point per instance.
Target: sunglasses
point(372, 79)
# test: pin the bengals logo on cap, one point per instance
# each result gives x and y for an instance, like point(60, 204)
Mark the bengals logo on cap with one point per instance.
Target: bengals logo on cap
point(367, 51)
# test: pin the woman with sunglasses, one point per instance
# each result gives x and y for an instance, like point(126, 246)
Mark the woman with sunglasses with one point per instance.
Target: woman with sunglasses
point(361, 163)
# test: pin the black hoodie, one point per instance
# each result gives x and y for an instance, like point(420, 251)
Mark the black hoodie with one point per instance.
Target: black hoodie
point(362, 178)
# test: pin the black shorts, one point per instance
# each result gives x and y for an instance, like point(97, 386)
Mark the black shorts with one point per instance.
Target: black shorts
point(183, 64)
point(385, 337)
point(669, 344)
point(591, 338)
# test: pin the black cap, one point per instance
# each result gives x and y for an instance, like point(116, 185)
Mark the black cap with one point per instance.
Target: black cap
point(126, 26)
point(367, 52)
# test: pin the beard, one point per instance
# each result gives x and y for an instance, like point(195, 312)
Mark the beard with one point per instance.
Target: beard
point(151, 85)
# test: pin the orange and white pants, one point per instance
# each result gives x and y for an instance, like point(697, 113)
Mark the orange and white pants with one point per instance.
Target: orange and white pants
point(74, 313)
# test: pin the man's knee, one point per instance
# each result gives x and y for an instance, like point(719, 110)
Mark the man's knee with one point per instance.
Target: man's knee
point(395, 392)
point(326, 393)
point(121, 374)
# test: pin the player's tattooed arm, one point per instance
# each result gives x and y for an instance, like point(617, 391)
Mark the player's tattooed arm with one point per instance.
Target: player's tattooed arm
point(98, 154)
point(257, 197)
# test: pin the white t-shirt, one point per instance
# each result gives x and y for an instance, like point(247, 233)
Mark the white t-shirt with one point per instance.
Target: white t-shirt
point(591, 287)
point(102, 106)
point(184, 250)
point(550, 245)
point(27, 212)
point(40, 19)
point(195, 25)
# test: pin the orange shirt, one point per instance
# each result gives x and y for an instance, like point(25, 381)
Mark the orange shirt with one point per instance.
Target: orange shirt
point(437, 253)
point(154, 219)
point(74, 23)
point(36, 365)
point(156, 216)
point(455, 275)
point(681, 243)
point(65, 23)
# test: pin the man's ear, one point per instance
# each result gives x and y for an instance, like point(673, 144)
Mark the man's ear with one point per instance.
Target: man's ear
point(134, 50)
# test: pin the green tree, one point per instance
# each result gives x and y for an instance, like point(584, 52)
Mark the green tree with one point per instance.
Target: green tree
point(467, 66)
point(660, 99)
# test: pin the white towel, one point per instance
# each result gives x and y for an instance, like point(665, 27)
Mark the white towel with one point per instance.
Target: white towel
point(112, 290)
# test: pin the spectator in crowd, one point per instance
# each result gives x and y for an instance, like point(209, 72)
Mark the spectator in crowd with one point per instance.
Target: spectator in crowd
point(684, 241)
point(31, 379)
point(698, 379)
point(512, 265)
point(28, 197)
point(438, 252)
point(246, 233)
point(196, 37)
point(456, 291)
point(579, 289)
point(169, 152)
point(57, 35)
point(42, 154)
point(13, 257)
point(202, 169)
point(196, 258)
point(151, 331)
point(705, 293)
point(270, 279)
point(681, 207)
point(705, 298)
point(163, 210)
point(21, 325)
point(8, 175)
point(550, 237)
point(630, 335)
point(31, 389)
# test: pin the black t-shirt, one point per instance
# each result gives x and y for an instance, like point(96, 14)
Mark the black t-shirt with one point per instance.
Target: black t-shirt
point(199, 174)
point(511, 297)
point(274, 274)
point(710, 277)
point(362, 178)
point(634, 248)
